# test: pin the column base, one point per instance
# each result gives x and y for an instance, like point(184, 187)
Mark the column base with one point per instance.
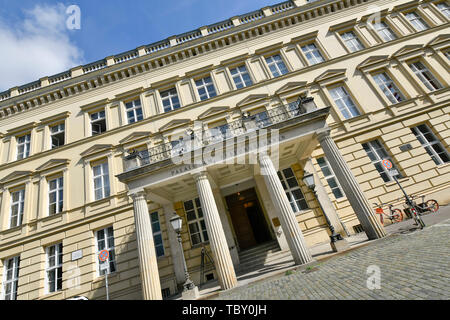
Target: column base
point(191, 294)
point(340, 245)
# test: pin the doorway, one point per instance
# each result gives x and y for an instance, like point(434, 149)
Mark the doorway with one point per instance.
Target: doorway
point(248, 219)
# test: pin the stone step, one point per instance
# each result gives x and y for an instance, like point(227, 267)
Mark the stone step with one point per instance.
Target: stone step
point(263, 247)
point(258, 255)
point(277, 257)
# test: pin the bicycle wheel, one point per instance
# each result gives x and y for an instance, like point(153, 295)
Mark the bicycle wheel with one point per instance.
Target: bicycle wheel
point(397, 214)
point(417, 218)
point(432, 205)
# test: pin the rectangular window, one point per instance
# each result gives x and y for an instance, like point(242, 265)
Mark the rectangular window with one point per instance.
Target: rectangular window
point(196, 222)
point(384, 31)
point(54, 268)
point(351, 41)
point(98, 122)
point(262, 119)
point(377, 153)
point(57, 135)
point(205, 88)
point(444, 8)
point(431, 144)
point(276, 65)
point(425, 76)
point(292, 189)
point(105, 241)
point(55, 196)
point(17, 206)
point(344, 102)
point(388, 87)
point(23, 146)
point(220, 133)
point(11, 279)
point(101, 181)
point(134, 111)
point(330, 177)
point(157, 234)
point(313, 54)
point(170, 100)
point(241, 77)
point(418, 23)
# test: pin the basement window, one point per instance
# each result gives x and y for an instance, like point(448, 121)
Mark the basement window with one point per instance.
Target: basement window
point(209, 276)
point(57, 134)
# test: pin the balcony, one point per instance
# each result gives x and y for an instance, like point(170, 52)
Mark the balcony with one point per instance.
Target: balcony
point(197, 139)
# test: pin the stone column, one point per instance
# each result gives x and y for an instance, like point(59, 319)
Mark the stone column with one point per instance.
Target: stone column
point(355, 195)
point(151, 286)
point(289, 224)
point(217, 239)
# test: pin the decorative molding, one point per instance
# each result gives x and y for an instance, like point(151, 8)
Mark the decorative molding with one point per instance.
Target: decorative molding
point(213, 111)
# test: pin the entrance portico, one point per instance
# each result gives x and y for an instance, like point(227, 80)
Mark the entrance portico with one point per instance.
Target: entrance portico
point(290, 140)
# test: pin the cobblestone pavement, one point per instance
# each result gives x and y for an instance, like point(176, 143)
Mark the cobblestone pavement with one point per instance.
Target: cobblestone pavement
point(413, 265)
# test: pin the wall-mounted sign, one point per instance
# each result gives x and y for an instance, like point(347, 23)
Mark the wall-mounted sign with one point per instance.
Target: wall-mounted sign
point(76, 255)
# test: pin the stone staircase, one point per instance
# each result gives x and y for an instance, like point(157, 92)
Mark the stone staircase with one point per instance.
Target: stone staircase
point(264, 256)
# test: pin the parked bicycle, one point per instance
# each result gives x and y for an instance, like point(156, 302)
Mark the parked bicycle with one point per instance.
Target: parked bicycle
point(429, 206)
point(412, 208)
point(393, 215)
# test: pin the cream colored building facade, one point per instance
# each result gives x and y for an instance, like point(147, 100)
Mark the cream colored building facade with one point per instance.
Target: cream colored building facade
point(378, 73)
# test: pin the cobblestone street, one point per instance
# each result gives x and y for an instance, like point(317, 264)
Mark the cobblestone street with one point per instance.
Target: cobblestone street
point(413, 264)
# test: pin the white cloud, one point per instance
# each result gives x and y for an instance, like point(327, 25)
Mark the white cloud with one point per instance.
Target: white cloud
point(36, 47)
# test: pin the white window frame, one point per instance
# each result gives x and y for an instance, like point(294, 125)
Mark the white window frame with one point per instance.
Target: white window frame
point(170, 96)
point(56, 268)
point(238, 76)
point(20, 203)
point(206, 85)
point(26, 144)
point(101, 116)
point(444, 10)
point(61, 128)
point(331, 176)
point(428, 145)
point(13, 280)
point(133, 107)
point(425, 76)
point(384, 31)
point(59, 195)
point(197, 221)
point(312, 54)
point(103, 177)
point(107, 246)
point(416, 21)
point(292, 191)
point(374, 147)
point(157, 233)
point(352, 41)
point(388, 87)
point(278, 65)
point(347, 111)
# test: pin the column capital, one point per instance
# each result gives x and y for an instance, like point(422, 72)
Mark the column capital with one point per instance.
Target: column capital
point(200, 174)
point(323, 133)
point(138, 194)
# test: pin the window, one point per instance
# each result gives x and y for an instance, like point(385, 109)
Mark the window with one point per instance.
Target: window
point(23, 146)
point(377, 154)
point(101, 181)
point(388, 87)
point(384, 31)
point(170, 100)
point(55, 196)
point(447, 54)
point(54, 268)
point(425, 76)
point(262, 119)
point(196, 222)
point(57, 135)
point(431, 144)
point(330, 177)
point(351, 41)
point(205, 88)
point(105, 241)
point(98, 122)
point(134, 111)
point(17, 206)
point(11, 279)
point(313, 54)
point(220, 133)
point(344, 102)
point(276, 65)
point(157, 234)
point(241, 77)
point(292, 189)
point(444, 8)
point(418, 23)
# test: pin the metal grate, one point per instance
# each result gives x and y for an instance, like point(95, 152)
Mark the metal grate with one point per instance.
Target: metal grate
point(358, 228)
point(165, 293)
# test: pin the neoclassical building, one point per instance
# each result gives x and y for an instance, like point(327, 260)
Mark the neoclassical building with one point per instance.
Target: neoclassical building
point(220, 126)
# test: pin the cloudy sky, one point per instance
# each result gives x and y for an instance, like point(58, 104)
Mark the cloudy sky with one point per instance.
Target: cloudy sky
point(35, 41)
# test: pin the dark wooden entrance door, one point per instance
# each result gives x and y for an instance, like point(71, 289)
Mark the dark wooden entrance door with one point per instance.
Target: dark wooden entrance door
point(248, 220)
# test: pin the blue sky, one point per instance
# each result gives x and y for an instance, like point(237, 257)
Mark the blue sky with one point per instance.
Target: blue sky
point(34, 41)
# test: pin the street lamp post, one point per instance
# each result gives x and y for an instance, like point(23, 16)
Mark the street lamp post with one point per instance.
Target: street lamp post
point(190, 291)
